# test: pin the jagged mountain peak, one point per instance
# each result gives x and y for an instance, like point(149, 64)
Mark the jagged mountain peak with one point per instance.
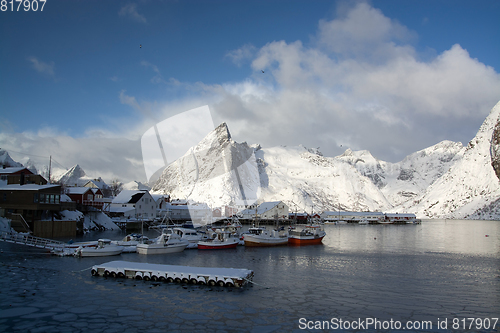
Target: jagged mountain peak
point(7, 161)
point(71, 177)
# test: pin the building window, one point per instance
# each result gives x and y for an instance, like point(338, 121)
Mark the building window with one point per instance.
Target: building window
point(35, 198)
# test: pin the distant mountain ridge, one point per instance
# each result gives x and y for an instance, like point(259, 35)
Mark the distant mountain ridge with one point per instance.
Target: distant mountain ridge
point(445, 180)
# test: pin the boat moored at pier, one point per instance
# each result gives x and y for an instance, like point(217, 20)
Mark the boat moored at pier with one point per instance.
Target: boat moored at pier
point(306, 235)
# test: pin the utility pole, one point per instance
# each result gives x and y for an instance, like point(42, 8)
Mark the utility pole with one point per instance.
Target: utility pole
point(50, 162)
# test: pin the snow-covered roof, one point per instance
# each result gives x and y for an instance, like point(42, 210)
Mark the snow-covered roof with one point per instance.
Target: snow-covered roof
point(28, 187)
point(76, 190)
point(157, 197)
point(11, 170)
point(98, 183)
point(128, 196)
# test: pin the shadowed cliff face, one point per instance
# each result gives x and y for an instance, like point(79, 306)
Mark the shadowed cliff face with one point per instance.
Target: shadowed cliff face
point(495, 149)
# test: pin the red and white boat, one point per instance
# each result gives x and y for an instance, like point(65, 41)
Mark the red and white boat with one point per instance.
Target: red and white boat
point(221, 239)
point(306, 235)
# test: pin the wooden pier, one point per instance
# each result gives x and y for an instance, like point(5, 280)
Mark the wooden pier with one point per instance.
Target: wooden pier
point(223, 277)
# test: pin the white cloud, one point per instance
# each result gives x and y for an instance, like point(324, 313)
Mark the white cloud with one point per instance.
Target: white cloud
point(244, 53)
point(130, 11)
point(42, 67)
point(359, 84)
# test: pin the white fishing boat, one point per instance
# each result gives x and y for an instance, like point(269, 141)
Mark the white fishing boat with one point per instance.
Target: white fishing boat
point(165, 243)
point(259, 236)
point(219, 239)
point(190, 235)
point(104, 248)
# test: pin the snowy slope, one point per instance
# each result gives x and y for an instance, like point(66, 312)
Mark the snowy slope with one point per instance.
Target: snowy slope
point(408, 179)
point(470, 188)
point(302, 178)
point(75, 176)
point(213, 171)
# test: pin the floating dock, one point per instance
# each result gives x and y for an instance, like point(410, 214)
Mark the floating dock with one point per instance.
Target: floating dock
point(223, 277)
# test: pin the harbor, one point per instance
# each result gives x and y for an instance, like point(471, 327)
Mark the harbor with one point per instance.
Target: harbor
point(436, 269)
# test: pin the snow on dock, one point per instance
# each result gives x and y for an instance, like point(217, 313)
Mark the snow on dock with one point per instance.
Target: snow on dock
point(223, 277)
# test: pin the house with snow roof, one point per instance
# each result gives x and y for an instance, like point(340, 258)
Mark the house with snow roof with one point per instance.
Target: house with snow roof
point(20, 175)
point(85, 197)
point(101, 185)
point(266, 211)
point(132, 204)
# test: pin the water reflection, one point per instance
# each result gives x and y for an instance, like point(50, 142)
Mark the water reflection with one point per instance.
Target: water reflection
point(451, 236)
point(438, 269)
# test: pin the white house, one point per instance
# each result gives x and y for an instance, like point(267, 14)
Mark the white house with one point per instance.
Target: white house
point(134, 204)
point(266, 210)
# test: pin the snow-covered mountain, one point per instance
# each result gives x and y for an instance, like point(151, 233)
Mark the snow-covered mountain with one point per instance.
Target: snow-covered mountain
point(405, 180)
point(302, 178)
point(446, 180)
point(7, 161)
point(470, 188)
point(75, 176)
point(218, 171)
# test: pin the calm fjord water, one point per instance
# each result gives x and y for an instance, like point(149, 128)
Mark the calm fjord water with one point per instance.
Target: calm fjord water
point(436, 271)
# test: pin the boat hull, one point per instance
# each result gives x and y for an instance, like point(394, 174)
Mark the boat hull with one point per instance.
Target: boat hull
point(251, 240)
point(299, 241)
point(96, 252)
point(160, 249)
point(217, 246)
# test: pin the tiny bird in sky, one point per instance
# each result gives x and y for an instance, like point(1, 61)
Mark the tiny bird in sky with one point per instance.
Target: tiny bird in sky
point(262, 71)
point(140, 46)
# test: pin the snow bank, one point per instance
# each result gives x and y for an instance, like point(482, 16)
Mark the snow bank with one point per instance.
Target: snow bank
point(98, 221)
point(4, 224)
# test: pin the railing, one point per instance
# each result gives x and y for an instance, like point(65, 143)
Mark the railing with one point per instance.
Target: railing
point(23, 222)
point(25, 239)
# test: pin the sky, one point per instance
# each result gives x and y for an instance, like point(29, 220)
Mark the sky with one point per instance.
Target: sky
point(82, 81)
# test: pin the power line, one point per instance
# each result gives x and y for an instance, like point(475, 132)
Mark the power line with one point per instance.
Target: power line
point(18, 152)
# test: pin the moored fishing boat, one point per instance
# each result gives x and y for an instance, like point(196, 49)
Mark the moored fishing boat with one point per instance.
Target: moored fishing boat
point(190, 235)
point(165, 243)
point(307, 235)
point(257, 236)
point(220, 239)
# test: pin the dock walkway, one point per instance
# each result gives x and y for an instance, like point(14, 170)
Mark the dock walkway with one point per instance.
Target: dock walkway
point(223, 277)
point(29, 240)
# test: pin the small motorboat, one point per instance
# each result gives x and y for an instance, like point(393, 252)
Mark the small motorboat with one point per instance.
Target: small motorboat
point(104, 248)
point(165, 243)
point(130, 242)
